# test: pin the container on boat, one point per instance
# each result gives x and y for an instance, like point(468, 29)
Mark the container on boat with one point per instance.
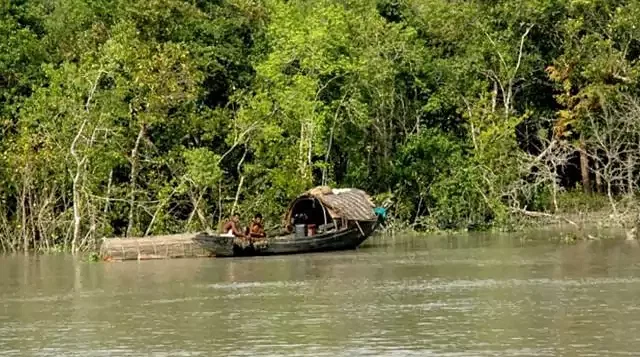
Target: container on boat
point(311, 230)
point(300, 230)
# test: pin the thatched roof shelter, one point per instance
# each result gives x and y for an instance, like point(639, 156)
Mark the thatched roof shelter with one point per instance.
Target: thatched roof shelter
point(324, 204)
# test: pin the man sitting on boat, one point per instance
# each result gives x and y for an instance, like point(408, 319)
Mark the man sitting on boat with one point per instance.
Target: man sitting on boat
point(231, 228)
point(256, 228)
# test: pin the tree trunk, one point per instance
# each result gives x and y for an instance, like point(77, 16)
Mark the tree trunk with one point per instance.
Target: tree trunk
point(132, 179)
point(44, 228)
point(77, 216)
point(584, 167)
point(630, 175)
point(494, 98)
point(599, 188)
point(326, 157)
point(554, 187)
point(32, 220)
point(310, 146)
point(109, 183)
point(196, 203)
point(301, 158)
point(235, 202)
point(157, 212)
point(23, 210)
point(93, 225)
point(80, 168)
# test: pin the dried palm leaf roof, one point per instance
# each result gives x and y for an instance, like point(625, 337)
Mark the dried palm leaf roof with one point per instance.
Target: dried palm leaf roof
point(349, 203)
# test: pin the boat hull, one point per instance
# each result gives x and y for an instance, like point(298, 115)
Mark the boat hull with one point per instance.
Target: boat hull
point(346, 239)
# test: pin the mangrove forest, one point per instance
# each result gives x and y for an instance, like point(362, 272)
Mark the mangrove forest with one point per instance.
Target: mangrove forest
point(142, 117)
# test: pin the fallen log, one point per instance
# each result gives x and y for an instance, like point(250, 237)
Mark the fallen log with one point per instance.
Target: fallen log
point(152, 247)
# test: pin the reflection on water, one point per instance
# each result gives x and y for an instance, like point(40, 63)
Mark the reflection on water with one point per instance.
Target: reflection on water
point(448, 296)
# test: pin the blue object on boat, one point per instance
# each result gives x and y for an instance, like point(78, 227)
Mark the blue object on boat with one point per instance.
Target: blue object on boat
point(381, 212)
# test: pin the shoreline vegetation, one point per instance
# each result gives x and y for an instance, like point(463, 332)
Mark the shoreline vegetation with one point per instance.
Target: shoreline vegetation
point(137, 118)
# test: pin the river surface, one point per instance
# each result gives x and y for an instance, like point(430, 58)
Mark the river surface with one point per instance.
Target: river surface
point(438, 296)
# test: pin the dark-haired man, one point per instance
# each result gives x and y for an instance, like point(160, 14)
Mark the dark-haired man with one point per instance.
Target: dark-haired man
point(231, 227)
point(256, 227)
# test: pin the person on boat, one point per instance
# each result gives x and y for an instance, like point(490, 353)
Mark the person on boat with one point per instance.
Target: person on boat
point(256, 228)
point(231, 227)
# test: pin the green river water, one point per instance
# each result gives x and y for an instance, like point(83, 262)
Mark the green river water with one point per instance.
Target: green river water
point(482, 295)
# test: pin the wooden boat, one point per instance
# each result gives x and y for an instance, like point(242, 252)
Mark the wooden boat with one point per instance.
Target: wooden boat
point(344, 219)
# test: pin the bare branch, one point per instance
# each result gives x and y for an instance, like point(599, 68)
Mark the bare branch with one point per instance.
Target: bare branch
point(504, 63)
point(524, 36)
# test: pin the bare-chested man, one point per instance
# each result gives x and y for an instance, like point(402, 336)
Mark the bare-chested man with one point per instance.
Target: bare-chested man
point(231, 227)
point(256, 228)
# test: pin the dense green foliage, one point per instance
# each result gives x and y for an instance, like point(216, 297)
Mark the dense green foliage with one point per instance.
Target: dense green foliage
point(156, 116)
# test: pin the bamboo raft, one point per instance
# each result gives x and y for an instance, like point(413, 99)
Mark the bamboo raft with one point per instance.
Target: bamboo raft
point(153, 247)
